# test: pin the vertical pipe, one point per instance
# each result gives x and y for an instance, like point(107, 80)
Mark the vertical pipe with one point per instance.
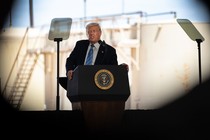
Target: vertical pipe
point(84, 12)
point(31, 13)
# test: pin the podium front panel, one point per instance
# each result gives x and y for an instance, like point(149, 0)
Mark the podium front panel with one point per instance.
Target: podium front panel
point(99, 82)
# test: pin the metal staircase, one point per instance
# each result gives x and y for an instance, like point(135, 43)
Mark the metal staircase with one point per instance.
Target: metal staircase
point(17, 92)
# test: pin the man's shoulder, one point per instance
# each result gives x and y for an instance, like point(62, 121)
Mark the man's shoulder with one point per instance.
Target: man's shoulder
point(83, 41)
point(110, 46)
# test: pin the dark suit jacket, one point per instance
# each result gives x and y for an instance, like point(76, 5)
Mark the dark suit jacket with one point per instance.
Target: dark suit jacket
point(106, 55)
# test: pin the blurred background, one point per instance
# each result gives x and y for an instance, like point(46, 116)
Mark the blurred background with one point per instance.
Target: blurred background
point(162, 58)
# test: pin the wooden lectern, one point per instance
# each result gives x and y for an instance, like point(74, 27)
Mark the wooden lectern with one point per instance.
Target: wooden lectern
point(100, 92)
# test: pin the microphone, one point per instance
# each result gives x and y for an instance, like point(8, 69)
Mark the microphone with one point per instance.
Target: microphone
point(103, 44)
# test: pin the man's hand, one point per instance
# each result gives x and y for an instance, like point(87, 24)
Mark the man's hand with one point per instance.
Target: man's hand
point(70, 74)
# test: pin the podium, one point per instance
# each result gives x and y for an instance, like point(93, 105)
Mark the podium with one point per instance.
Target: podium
point(100, 92)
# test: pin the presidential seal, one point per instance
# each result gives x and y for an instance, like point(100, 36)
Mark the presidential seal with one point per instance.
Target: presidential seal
point(104, 79)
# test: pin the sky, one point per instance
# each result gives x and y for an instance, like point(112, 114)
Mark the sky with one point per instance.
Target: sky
point(45, 10)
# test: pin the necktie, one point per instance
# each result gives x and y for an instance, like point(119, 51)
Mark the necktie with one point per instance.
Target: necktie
point(90, 56)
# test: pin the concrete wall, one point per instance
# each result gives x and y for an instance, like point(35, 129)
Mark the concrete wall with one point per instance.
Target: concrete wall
point(168, 64)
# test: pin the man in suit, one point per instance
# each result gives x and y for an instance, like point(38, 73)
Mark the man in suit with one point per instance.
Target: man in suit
point(103, 54)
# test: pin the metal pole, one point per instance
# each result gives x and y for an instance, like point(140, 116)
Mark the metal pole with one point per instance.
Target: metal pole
point(199, 59)
point(85, 6)
point(58, 96)
point(31, 13)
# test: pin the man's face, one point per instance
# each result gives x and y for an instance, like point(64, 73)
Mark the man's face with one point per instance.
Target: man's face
point(93, 34)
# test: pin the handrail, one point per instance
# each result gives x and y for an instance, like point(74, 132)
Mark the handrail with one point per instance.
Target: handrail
point(158, 14)
point(140, 13)
point(10, 73)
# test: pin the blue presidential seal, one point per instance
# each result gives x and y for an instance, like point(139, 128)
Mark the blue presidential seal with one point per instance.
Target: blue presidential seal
point(104, 79)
